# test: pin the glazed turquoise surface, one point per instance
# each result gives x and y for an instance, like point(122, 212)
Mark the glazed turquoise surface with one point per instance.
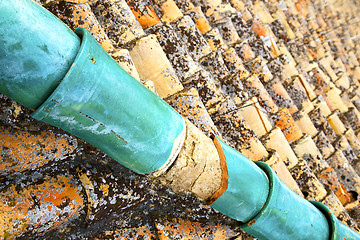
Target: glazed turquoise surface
point(102, 104)
point(286, 215)
point(36, 51)
point(339, 231)
point(247, 190)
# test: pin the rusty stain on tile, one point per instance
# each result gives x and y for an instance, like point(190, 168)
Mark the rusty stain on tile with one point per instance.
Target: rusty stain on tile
point(286, 123)
point(143, 12)
point(38, 208)
point(23, 150)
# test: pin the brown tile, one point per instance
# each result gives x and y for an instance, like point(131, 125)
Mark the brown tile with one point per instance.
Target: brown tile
point(184, 5)
point(306, 149)
point(320, 103)
point(298, 95)
point(234, 63)
point(209, 93)
point(334, 204)
point(228, 31)
point(242, 26)
point(351, 118)
point(280, 96)
point(258, 67)
point(262, 46)
point(306, 86)
point(310, 186)
point(128, 233)
point(319, 80)
point(351, 155)
point(346, 174)
point(215, 40)
point(215, 65)
point(304, 123)
point(233, 87)
point(324, 145)
point(215, 10)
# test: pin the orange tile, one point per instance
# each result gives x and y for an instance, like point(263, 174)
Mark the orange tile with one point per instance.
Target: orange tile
point(169, 11)
point(143, 12)
point(199, 19)
point(23, 150)
point(38, 208)
point(287, 125)
point(281, 96)
point(258, 29)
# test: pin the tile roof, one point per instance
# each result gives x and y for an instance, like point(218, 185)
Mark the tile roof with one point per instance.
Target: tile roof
point(277, 80)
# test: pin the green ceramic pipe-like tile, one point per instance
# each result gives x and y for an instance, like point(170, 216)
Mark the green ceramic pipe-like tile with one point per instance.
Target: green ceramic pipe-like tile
point(99, 102)
point(36, 51)
point(247, 190)
point(286, 215)
point(339, 231)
